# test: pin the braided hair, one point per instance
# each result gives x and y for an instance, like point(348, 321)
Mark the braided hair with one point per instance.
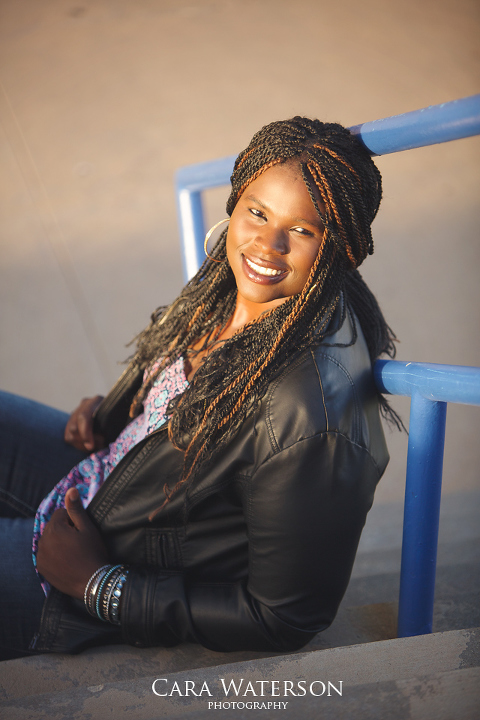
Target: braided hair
point(235, 374)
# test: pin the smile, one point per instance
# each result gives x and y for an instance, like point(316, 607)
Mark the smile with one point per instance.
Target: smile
point(268, 272)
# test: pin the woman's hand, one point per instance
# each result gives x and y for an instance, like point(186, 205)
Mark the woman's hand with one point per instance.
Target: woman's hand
point(71, 548)
point(79, 428)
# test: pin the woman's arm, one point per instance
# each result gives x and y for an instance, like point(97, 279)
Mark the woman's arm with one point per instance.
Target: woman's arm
point(306, 507)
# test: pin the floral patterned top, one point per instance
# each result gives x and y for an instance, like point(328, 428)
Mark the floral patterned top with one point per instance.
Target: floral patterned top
point(90, 474)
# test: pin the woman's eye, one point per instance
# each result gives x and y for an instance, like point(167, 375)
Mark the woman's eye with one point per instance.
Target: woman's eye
point(302, 231)
point(256, 213)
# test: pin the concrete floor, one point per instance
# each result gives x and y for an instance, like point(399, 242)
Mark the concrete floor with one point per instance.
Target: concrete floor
point(101, 101)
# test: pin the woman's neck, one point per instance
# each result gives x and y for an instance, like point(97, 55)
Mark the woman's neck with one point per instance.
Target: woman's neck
point(245, 312)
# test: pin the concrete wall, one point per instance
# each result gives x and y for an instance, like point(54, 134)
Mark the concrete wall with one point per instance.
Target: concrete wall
point(102, 100)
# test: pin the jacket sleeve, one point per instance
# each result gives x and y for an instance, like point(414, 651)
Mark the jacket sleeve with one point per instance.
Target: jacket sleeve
point(305, 508)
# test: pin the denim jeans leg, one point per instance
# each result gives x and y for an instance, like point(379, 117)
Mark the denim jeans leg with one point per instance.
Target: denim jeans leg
point(21, 595)
point(33, 454)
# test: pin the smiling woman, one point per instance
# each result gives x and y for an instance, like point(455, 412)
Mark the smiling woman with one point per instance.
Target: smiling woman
point(244, 433)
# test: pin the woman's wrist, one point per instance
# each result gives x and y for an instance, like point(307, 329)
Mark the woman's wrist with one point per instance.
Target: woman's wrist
point(103, 593)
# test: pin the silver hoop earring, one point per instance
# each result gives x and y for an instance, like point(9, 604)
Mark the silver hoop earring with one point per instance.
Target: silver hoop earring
point(209, 235)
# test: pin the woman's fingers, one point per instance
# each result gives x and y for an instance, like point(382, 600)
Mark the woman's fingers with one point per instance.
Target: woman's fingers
point(79, 428)
point(85, 426)
point(76, 511)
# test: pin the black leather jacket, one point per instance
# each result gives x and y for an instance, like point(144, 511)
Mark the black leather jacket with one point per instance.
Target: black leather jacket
point(265, 554)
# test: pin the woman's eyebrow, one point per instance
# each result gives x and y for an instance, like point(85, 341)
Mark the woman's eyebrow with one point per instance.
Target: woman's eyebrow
point(303, 221)
point(256, 200)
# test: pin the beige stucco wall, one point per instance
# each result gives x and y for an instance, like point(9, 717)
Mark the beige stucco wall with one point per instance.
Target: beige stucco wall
point(102, 100)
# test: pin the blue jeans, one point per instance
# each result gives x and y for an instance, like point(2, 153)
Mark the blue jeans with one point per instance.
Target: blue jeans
point(33, 458)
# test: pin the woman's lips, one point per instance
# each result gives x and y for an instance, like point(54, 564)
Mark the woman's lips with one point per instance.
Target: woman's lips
point(261, 274)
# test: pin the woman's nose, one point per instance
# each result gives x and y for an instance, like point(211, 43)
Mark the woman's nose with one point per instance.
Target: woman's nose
point(273, 241)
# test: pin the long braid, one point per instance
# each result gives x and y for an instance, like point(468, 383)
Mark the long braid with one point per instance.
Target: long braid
point(235, 374)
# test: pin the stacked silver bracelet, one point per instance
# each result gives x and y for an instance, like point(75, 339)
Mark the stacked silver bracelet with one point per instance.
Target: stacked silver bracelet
point(103, 592)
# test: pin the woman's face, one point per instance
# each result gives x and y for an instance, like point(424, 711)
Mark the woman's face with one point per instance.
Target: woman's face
point(273, 238)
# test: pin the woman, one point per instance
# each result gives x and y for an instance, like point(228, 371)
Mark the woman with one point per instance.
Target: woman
point(228, 510)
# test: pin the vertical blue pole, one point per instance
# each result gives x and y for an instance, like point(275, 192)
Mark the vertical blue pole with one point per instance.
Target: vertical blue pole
point(421, 518)
point(192, 229)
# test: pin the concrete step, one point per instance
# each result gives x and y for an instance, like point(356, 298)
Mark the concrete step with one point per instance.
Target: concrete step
point(456, 607)
point(50, 673)
point(430, 676)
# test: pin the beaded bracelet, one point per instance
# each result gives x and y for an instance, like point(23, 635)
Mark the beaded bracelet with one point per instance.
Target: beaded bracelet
point(108, 592)
point(114, 605)
point(92, 586)
point(103, 591)
point(93, 593)
point(100, 589)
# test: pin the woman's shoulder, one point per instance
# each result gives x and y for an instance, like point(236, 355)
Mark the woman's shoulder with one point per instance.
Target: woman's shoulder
point(326, 388)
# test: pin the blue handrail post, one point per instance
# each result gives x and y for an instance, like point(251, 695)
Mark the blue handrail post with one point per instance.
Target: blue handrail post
point(421, 515)
point(192, 224)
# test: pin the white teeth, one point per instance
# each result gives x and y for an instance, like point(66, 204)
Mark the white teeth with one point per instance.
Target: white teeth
point(262, 270)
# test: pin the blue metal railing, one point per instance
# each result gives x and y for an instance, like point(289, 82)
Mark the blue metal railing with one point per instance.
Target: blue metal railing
point(430, 386)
